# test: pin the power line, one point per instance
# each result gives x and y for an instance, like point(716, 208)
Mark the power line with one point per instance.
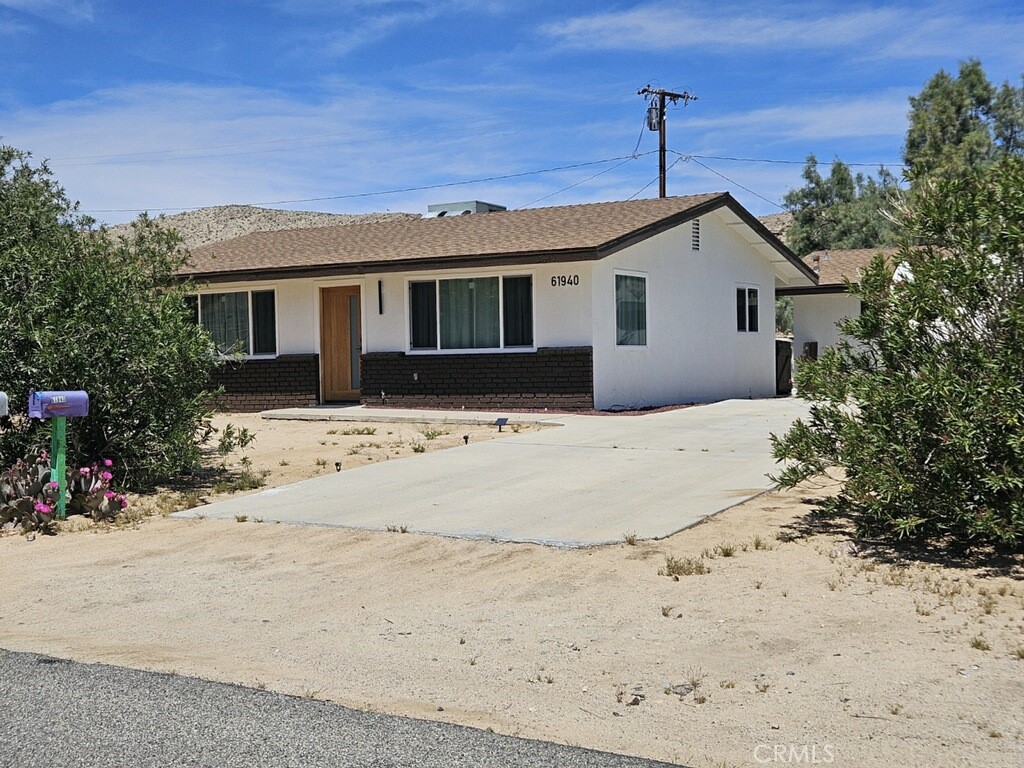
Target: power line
point(790, 162)
point(643, 124)
point(734, 183)
point(658, 177)
point(582, 181)
point(387, 191)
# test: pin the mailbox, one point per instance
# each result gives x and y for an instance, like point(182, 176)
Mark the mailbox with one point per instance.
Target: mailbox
point(50, 405)
point(4, 404)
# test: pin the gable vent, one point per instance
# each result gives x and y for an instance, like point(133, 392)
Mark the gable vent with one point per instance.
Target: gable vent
point(695, 235)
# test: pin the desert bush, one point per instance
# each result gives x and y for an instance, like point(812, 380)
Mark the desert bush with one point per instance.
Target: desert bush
point(686, 566)
point(923, 404)
point(81, 309)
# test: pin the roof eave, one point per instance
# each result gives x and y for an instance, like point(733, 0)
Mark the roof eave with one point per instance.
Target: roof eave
point(517, 258)
point(723, 200)
point(766, 234)
point(812, 290)
point(403, 265)
point(661, 225)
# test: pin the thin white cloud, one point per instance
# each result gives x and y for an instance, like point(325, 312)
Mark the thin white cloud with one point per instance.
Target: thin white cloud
point(53, 10)
point(883, 114)
point(342, 7)
point(175, 146)
point(352, 24)
point(9, 27)
point(371, 30)
point(877, 32)
point(673, 27)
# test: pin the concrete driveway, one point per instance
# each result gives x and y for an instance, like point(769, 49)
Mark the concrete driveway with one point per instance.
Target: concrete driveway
point(581, 484)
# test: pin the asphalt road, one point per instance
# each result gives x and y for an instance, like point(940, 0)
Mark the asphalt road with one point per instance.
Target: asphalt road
point(61, 714)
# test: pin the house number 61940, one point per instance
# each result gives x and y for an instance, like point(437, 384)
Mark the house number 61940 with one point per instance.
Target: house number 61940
point(562, 280)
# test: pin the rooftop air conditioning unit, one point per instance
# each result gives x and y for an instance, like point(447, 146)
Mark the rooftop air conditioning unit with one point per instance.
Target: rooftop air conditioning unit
point(437, 210)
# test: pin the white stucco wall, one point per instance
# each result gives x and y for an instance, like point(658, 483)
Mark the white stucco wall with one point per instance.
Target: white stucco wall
point(694, 352)
point(815, 318)
point(561, 314)
point(297, 305)
point(297, 317)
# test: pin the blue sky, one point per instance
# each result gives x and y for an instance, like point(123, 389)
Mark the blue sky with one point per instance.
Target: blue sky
point(169, 105)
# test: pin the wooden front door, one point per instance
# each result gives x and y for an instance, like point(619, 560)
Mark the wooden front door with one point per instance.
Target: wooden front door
point(340, 343)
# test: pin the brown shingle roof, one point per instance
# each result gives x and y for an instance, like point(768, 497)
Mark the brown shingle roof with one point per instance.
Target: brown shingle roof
point(560, 233)
point(833, 266)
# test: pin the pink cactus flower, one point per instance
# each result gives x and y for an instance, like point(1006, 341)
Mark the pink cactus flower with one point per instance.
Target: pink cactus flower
point(108, 463)
point(106, 476)
point(84, 471)
point(53, 484)
point(43, 509)
point(124, 503)
point(109, 495)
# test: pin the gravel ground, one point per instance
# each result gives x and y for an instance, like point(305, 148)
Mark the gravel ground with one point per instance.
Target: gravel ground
point(56, 713)
point(224, 222)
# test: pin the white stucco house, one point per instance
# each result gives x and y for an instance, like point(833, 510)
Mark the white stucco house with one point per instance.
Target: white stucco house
point(818, 309)
point(607, 305)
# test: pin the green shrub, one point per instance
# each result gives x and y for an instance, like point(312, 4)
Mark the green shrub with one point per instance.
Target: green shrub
point(924, 405)
point(80, 309)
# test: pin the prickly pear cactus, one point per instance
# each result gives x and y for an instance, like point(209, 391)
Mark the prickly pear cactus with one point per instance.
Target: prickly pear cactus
point(29, 495)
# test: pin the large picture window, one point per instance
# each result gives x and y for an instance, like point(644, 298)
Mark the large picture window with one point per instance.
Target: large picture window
point(240, 322)
point(630, 311)
point(471, 313)
point(746, 310)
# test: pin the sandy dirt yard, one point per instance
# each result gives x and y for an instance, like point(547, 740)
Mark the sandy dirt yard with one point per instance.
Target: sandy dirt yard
point(793, 641)
point(288, 451)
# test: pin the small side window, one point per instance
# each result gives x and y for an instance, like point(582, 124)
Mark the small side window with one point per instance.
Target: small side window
point(192, 305)
point(264, 323)
point(240, 322)
point(423, 314)
point(746, 310)
point(630, 311)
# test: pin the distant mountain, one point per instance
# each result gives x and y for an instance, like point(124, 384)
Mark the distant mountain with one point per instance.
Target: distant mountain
point(224, 222)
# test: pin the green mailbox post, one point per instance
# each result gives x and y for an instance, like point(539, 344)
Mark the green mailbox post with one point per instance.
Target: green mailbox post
point(58, 407)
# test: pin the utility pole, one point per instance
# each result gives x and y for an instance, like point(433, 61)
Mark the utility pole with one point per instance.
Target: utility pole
point(656, 122)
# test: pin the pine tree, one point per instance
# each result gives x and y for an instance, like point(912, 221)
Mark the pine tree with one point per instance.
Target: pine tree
point(841, 210)
point(960, 125)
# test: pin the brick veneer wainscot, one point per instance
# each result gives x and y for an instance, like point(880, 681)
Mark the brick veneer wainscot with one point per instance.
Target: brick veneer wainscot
point(552, 377)
point(286, 381)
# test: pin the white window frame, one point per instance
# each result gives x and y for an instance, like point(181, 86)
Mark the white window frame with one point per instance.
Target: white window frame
point(647, 309)
point(747, 288)
point(248, 303)
point(436, 280)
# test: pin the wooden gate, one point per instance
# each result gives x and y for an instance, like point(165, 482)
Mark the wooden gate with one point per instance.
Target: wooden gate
point(783, 367)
